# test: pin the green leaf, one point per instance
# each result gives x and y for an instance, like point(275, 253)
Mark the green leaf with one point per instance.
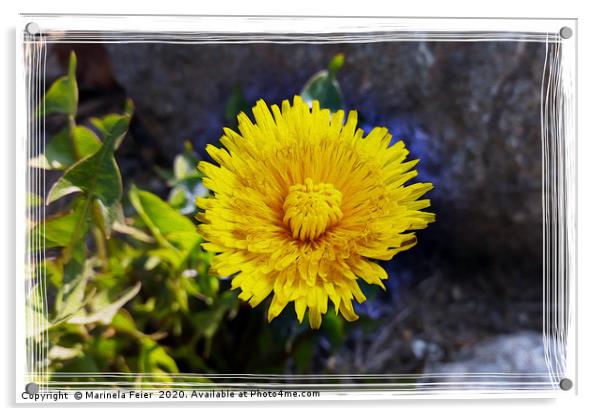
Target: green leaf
point(155, 360)
point(182, 167)
point(333, 325)
point(53, 271)
point(36, 319)
point(185, 239)
point(84, 363)
point(335, 64)
point(105, 349)
point(36, 322)
point(133, 232)
point(63, 150)
point(178, 197)
point(106, 216)
point(62, 96)
point(168, 255)
point(59, 153)
point(148, 307)
point(103, 309)
point(107, 123)
point(236, 104)
point(86, 141)
point(303, 353)
point(58, 353)
point(179, 292)
point(165, 223)
point(153, 260)
point(208, 285)
point(63, 230)
point(71, 297)
point(97, 174)
point(123, 322)
point(208, 322)
point(324, 87)
point(75, 254)
point(185, 171)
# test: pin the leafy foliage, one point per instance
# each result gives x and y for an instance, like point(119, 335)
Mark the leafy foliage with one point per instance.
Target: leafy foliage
point(62, 96)
point(324, 86)
point(127, 286)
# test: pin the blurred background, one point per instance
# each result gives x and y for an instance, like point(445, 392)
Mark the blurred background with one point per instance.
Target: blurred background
point(468, 297)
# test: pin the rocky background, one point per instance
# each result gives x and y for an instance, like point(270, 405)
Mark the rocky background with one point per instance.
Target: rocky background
point(470, 111)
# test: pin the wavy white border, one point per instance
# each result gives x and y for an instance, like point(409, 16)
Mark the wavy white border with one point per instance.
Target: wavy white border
point(117, 28)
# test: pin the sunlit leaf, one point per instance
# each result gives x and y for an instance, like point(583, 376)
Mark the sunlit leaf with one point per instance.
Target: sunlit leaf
point(168, 255)
point(65, 229)
point(165, 223)
point(324, 87)
point(336, 63)
point(183, 197)
point(105, 125)
point(154, 359)
point(181, 296)
point(59, 153)
point(133, 232)
point(105, 349)
point(102, 309)
point(36, 316)
point(178, 197)
point(86, 141)
point(62, 96)
point(53, 270)
point(153, 261)
point(71, 297)
point(123, 321)
point(106, 216)
point(181, 167)
point(66, 147)
point(97, 175)
point(185, 170)
point(147, 307)
point(58, 353)
point(208, 285)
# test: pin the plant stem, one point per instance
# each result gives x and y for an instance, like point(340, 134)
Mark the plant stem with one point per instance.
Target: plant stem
point(72, 126)
point(101, 248)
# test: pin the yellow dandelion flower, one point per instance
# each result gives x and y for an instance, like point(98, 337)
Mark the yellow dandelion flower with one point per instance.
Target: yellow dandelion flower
point(304, 204)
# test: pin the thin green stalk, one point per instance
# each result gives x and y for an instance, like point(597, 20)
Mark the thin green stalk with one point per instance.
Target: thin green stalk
point(72, 126)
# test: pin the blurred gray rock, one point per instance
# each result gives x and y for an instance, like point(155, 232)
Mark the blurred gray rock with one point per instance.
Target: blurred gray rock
point(520, 353)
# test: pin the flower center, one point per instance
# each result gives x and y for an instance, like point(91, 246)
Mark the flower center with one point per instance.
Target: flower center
point(310, 208)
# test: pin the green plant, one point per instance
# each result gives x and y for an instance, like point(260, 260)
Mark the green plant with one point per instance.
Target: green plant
point(98, 259)
point(121, 282)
